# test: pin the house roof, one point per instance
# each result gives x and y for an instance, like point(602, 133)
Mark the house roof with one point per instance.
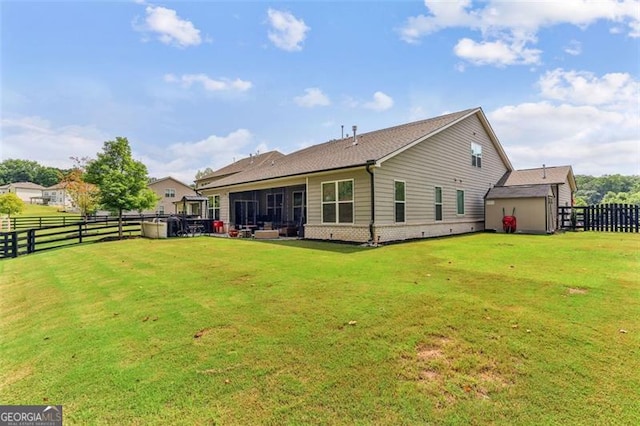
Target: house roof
point(59, 185)
point(250, 162)
point(157, 181)
point(23, 185)
point(520, 191)
point(376, 146)
point(541, 175)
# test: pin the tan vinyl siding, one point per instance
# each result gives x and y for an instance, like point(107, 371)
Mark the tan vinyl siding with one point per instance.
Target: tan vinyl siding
point(443, 160)
point(530, 214)
point(564, 194)
point(361, 193)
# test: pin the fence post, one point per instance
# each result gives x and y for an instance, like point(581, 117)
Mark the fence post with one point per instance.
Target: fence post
point(80, 233)
point(14, 244)
point(31, 240)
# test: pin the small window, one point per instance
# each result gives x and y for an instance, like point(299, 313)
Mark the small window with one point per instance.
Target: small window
point(337, 202)
point(400, 200)
point(169, 193)
point(476, 155)
point(438, 203)
point(460, 201)
point(160, 209)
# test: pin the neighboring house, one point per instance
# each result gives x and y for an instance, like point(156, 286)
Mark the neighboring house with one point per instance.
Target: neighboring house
point(26, 191)
point(172, 192)
point(416, 180)
point(56, 195)
point(534, 195)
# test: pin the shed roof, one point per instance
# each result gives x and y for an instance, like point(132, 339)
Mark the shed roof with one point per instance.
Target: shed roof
point(539, 176)
point(519, 191)
point(376, 146)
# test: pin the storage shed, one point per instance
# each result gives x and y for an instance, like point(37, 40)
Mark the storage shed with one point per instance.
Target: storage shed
point(532, 205)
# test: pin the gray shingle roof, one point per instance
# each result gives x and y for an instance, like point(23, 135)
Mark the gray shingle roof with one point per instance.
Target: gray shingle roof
point(252, 161)
point(547, 175)
point(343, 153)
point(521, 191)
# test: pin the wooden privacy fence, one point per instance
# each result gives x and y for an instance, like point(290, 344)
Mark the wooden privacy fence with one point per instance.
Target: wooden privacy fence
point(25, 241)
point(601, 217)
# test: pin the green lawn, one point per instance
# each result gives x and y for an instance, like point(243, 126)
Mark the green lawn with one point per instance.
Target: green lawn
point(478, 329)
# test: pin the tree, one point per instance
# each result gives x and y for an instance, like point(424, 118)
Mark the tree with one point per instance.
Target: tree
point(122, 180)
point(14, 170)
point(84, 195)
point(10, 204)
point(203, 173)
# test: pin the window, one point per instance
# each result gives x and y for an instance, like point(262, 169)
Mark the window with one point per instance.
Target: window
point(214, 207)
point(169, 193)
point(476, 155)
point(399, 200)
point(337, 201)
point(460, 202)
point(160, 209)
point(438, 203)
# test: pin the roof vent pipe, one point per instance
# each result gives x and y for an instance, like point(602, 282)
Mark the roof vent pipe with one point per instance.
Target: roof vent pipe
point(342, 129)
point(355, 138)
point(544, 172)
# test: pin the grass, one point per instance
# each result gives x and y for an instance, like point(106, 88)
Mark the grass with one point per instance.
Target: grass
point(41, 210)
point(479, 329)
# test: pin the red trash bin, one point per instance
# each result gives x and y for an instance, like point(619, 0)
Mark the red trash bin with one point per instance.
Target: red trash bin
point(218, 226)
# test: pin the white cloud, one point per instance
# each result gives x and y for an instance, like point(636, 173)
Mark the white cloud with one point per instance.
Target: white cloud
point(183, 159)
point(380, 102)
point(574, 48)
point(616, 90)
point(36, 139)
point(312, 97)
point(587, 121)
point(169, 27)
point(499, 53)
point(509, 28)
point(287, 32)
point(208, 83)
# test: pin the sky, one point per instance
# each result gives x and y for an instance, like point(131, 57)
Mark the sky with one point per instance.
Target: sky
point(197, 84)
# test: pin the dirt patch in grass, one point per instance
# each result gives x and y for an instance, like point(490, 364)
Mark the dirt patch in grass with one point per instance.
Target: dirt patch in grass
point(574, 290)
point(435, 367)
point(16, 375)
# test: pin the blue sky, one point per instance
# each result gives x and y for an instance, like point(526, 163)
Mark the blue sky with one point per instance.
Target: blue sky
point(198, 84)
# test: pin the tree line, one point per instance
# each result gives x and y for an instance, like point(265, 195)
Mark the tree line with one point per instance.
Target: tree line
point(607, 189)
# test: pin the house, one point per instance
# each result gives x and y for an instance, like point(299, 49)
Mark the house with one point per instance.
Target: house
point(421, 179)
point(56, 195)
point(534, 195)
point(172, 195)
point(26, 191)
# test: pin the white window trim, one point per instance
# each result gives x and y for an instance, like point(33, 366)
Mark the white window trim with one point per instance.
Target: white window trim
point(166, 193)
point(396, 201)
point(464, 202)
point(436, 203)
point(337, 202)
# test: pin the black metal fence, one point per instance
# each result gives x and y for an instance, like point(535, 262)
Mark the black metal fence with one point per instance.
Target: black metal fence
point(601, 217)
point(30, 222)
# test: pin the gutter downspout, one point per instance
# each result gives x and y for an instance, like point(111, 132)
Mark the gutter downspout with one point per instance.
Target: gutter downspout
point(373, 201)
